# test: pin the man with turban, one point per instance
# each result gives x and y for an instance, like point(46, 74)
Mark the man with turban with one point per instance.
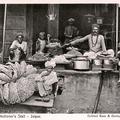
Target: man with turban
point(96, 43)
point(18, 49)
point(70, 30)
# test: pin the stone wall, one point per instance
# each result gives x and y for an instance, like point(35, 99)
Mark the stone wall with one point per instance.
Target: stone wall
point(79, 93)
point(110, 95)
point(81, 90)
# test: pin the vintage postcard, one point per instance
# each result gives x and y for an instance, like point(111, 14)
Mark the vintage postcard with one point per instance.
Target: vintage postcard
point(60, 59)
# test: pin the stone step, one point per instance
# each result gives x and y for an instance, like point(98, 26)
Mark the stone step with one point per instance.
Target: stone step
point(32, 102)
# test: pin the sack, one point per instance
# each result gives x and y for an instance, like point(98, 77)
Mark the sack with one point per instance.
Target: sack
point(6, 93)
point(30, 70)
point(23, 66)
point(6, 69)
point(18, 69)
point(13, 94)
point(14, 70)
point(4, 78)
point(25, 88)
point(60, 59)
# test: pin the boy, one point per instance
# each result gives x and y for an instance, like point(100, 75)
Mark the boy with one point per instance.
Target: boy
point(41, 43)
point(46, 79)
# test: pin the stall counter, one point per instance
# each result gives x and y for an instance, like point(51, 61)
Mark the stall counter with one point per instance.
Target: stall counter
point(81, 88)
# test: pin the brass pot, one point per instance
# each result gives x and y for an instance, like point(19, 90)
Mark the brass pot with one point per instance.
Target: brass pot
point(97, 62)
point(107, 62)
point(81, 64)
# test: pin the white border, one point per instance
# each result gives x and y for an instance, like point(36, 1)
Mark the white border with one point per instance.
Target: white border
point(61, 116)
point(58, 1)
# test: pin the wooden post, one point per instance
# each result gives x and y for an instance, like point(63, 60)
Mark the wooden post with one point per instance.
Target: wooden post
point(117, 28)
point(4, 26)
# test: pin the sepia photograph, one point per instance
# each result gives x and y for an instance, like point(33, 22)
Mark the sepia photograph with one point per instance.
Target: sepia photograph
point(60, 58)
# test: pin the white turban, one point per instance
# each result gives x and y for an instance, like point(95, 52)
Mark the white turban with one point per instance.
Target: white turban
point(50, 63)
point(71, 20)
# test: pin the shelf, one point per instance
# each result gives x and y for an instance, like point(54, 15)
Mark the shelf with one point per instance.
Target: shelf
point(32, 102)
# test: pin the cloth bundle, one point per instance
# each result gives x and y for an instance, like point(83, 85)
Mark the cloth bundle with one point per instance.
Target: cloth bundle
point(60, 59)
point(50, 63)
point(16, 83)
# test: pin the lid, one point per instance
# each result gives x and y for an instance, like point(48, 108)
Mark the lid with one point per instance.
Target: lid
point(80, 59)
point(97, 59)
point(103, 57)
point(82, 56)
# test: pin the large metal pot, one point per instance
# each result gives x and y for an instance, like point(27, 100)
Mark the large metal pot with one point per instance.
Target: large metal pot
point(81, 64)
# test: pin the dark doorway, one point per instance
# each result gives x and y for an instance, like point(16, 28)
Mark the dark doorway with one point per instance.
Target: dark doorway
point(40, 22)
point(76, 11)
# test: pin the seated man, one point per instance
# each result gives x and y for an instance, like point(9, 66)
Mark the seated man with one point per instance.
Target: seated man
point(41, 43)
point(96, 43)
point(71, 31)
point(18, 49)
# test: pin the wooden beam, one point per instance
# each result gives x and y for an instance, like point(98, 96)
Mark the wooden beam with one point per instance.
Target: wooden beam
point(4, 26)
point(117, 6)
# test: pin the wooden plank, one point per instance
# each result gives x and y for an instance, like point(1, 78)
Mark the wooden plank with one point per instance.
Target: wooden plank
point(32, 102)
point(73, 72)
point(117, 17)
point(4, 28)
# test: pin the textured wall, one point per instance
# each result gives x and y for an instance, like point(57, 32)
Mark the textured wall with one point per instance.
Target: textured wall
point(79, 93)
point(81, 90)
point(110, 95)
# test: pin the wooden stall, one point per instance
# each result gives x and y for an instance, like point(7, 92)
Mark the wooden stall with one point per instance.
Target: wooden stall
point(32, 19)
point(80, 86)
